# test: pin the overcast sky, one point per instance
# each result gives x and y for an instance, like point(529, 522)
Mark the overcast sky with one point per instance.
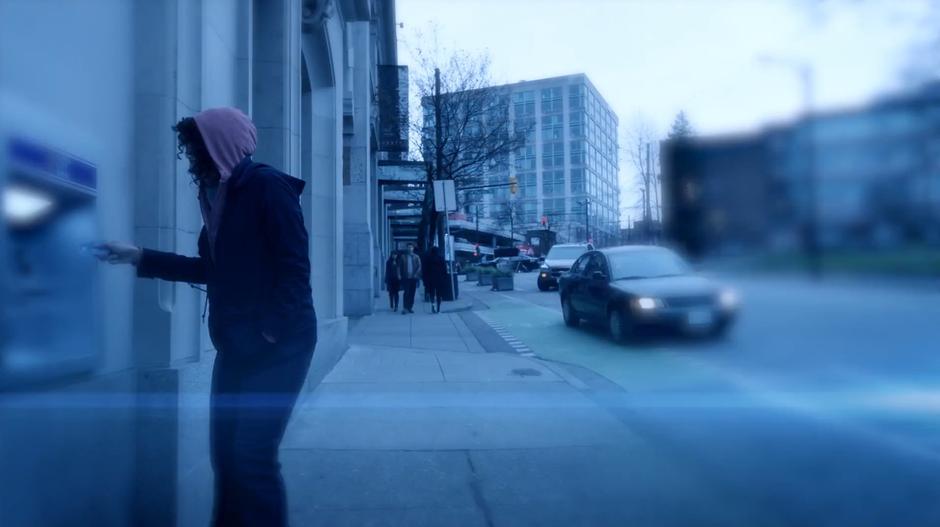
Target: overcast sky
point(652, 58)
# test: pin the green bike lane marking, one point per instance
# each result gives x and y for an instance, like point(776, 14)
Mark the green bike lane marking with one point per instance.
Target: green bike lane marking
point(664, 371)
point(645, 368)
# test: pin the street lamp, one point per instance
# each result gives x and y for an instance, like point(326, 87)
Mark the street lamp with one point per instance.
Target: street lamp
point(587, 219)
point(811, 245)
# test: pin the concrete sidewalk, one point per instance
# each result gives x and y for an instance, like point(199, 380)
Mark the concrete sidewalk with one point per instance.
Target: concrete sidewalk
point(418, 425)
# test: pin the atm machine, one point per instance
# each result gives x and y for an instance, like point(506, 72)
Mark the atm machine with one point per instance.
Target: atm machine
point(48, 280)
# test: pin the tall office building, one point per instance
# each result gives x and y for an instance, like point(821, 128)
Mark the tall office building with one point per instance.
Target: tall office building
point(568, 170)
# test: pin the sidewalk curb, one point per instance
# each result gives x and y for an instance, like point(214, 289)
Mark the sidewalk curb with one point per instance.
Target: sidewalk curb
point(558, 369)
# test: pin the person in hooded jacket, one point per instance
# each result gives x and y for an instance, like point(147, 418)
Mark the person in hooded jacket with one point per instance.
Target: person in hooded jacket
point(253, 258)
point(435, 278)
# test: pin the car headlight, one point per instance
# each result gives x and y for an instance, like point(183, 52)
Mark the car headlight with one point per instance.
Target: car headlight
point(729, 299)
point(645, 303)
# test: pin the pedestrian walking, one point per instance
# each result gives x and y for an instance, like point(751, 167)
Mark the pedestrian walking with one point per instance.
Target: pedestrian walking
point(409, 270)
point(392, 280)
point(253, 259)
point(435, 278)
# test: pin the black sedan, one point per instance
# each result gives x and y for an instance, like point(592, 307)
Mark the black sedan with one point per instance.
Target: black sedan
point(631, 288)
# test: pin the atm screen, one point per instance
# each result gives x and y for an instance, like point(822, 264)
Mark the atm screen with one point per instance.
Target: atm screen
point(49, 315)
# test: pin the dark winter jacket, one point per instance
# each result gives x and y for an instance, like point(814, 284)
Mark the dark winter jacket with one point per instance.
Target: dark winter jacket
point(392, 277)
point(259, 277)
point(435, 274)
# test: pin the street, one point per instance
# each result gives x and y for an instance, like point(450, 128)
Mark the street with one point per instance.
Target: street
point(818, 409)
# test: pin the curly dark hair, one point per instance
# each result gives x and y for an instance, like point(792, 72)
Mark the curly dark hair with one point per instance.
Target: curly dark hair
point(190, 142)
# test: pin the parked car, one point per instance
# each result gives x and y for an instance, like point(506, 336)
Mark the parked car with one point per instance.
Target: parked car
point(557, 261)
point(487, 262)
point(519, 264)
point(635, 287)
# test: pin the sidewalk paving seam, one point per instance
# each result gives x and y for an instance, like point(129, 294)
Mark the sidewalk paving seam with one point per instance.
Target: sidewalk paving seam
point(440, 367)
point(476, 490)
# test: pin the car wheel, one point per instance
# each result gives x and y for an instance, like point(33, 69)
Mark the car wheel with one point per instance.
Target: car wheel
point(617, 325)
point(542, 286)
point(720, 330)
point(571, 318)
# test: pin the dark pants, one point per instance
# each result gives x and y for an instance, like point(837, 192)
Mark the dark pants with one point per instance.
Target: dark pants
point(252, 400)
point(410, 285)
point(393, 296)
point(435, 291)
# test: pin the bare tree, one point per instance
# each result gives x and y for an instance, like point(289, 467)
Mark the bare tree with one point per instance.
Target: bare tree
point(510, 213)
point(476, 134)
point(642, 150)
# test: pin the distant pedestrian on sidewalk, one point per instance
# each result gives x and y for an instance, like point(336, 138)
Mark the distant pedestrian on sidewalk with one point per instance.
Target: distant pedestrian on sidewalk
point(254, 260)
point(392, 280)
point(435, 278)
point(409, 270)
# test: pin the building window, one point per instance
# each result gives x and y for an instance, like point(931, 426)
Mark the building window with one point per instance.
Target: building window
point(524, 103)
point(576, 124)
point(554, 208)
point(553, 155)
point(529, 211)
point(576, 97)
point(527, 184)
point(577, 180)
point(552, 127)
point(551, 100)
point(577, 152)
point(525, 158)
point(553, 182)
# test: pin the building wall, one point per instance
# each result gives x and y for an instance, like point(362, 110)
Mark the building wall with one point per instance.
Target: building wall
point(584, 119)
point(105, 80)
point(872, 175)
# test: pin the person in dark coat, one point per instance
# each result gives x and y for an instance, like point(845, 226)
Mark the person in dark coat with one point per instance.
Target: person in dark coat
point(435, 278)
point(254, 260)
point(392, 280)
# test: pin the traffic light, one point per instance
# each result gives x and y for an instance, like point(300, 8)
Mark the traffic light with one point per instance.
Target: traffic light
point(513, 185)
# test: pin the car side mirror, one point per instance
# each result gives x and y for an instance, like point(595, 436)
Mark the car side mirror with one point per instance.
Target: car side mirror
point(598, 275)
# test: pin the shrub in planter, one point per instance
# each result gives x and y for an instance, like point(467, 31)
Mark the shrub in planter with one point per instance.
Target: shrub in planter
point(486, 276)
point(472, 273)
point(503, 281)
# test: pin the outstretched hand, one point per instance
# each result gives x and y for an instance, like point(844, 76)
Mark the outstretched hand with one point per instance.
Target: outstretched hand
point(117, 253)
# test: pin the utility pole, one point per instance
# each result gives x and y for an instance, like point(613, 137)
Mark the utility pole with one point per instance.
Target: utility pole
point(647, 210)
point(810, 225)
point(587, 220)
point(512, 224)
point(813, 248)
point(477, 221)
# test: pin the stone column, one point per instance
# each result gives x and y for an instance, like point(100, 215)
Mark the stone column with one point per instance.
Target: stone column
point(358, 254)
point(168, 73)
point(276, 83)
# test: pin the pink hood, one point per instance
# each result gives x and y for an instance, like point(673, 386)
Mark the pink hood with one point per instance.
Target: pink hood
point(229, 136)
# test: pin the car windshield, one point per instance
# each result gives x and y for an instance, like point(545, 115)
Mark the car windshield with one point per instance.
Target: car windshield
point(646, 264)
point(565, 253)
